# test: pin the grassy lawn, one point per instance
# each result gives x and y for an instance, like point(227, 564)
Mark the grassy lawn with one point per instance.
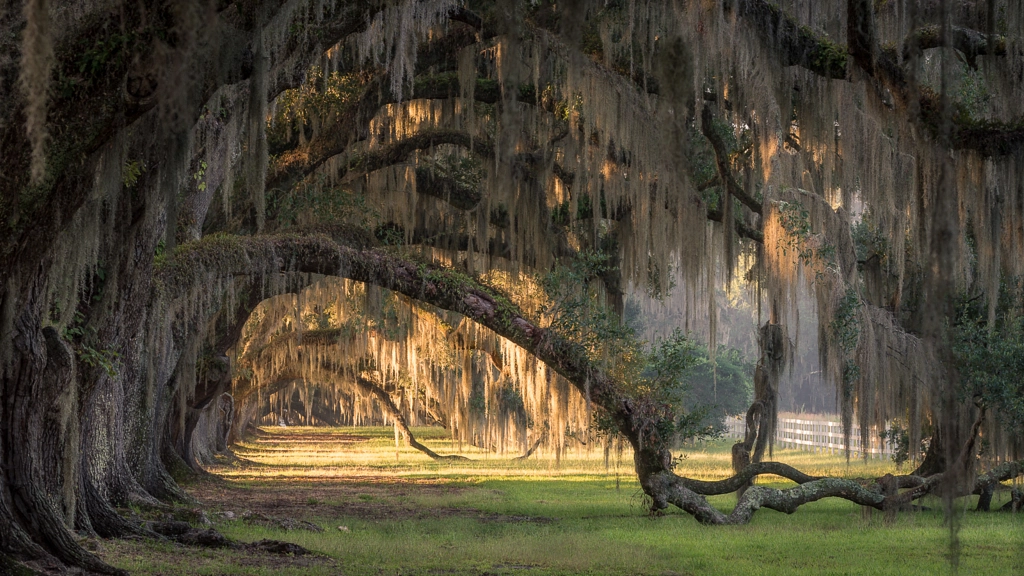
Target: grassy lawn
point(388, 512)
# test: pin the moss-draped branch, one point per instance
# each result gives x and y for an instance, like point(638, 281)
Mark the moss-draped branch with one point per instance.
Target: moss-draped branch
point(195, 263)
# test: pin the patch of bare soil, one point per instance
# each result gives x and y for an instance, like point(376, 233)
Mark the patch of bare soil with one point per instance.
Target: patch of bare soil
point(181, 559)
point(371, 499)
point(277, 561)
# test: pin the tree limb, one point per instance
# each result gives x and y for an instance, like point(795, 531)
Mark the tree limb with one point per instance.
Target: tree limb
point(533, 448)
point(722, 161)
point(970, 43)
point(741, 228)
point(384, 398)
point(734, 483)
point(783, 500)
point(796, 45)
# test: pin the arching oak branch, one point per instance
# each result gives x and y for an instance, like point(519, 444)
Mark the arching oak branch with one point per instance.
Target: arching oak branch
point(454, 291)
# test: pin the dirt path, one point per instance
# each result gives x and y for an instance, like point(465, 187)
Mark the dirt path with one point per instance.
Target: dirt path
point(312, 497)
point(379, 498)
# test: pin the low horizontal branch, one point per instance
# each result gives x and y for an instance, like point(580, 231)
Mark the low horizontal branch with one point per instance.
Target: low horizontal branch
point(786, 500)
point(970, 43)
point(796, 45)
point(709, 488)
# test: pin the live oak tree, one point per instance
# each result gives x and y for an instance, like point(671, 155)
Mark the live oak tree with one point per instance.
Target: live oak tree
point(169, 166)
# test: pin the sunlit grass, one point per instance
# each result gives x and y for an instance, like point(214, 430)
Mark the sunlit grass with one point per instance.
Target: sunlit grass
point(292, 452)
point(407, 514)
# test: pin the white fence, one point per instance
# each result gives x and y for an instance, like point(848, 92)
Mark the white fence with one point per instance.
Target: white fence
point(815, 433)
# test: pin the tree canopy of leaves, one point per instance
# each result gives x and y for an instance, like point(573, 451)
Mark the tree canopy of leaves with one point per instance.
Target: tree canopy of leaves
point(989, 356)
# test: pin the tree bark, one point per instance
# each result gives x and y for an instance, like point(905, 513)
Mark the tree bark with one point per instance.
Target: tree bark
point(40, 399)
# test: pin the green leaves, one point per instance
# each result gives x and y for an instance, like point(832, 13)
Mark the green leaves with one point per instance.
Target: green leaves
point(845, 325)
point(668, 362)
point(656, 377)
point(575, 309)
point(104, 53)
point(200, 176)
point(795, 219)
point(131, 171)
point(82, 337)
point(313, 104)
point(898, 439)
point(466, 170)
point(869, 242)
point(106, 359)
point(797, 222)
point(723, 386)
point(990, 360)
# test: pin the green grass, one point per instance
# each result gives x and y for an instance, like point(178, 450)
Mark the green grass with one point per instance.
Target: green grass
point(416, 516)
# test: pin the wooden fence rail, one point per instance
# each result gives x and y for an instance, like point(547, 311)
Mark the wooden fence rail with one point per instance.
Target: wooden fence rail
point(816, 433)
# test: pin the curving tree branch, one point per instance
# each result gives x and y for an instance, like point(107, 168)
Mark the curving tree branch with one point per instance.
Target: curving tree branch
point(786, 500)
point(454, 291)
point(733, 187)
point(741, 479)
